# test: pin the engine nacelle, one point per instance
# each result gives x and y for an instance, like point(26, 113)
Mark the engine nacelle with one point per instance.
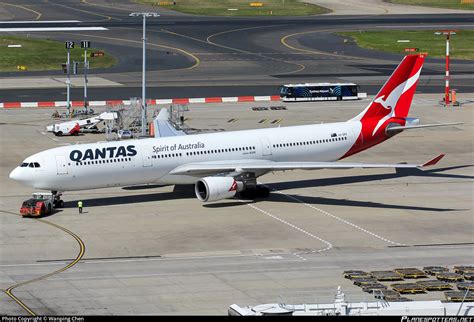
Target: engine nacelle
point(217, 188)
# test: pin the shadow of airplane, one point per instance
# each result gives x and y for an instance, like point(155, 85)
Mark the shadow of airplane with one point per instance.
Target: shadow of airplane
point(179, 192)
point(400, 173)
point(275, 197)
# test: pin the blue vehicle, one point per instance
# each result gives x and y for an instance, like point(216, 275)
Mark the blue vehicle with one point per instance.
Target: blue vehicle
point(319, 92)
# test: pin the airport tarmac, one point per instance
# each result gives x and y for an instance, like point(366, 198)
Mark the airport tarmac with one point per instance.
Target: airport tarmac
point(152, 250)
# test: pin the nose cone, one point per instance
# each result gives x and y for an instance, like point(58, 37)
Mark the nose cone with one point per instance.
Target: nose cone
point(18, 175)
point(15, 174)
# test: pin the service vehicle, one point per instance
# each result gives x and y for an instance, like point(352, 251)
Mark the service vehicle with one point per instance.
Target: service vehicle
point(40, 204)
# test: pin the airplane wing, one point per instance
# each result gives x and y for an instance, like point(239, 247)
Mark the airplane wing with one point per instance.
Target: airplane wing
point(398, 128)
point(163, 127)
point(212, 168)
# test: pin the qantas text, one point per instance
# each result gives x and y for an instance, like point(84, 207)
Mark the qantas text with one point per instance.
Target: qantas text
point(103, 153)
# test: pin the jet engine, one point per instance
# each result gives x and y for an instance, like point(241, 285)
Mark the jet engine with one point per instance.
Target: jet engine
point(217, 188)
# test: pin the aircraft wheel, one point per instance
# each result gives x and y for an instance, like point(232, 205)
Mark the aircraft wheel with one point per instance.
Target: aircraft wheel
point(260, 192)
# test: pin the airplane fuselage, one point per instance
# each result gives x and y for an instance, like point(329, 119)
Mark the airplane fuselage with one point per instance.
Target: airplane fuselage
point(149, 161)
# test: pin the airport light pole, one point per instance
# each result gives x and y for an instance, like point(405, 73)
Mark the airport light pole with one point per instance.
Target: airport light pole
point(447, 77)
point(144, 104)
point(85, 44)
point(69, 46)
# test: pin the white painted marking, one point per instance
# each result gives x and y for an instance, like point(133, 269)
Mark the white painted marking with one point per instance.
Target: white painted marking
point(197, 100)
point(60, 103)
point(258, 269)
point(230, 99)
point(53, 29)
point(273, 257)
point(97, 103)
point(14, 46)
point(338, 218)
point(329, 245)
point(164, 101)
point(29, 104)
point(36, 21)
point(300, 257)
point(262, 98)
point(45, 134)
point(423, 26)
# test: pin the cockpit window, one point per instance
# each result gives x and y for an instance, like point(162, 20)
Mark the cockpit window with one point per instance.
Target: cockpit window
point(24, 164)
point(31, 165)
point(37, 165)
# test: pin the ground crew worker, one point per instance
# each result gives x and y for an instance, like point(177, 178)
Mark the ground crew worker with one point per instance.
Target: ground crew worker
point(79, 205)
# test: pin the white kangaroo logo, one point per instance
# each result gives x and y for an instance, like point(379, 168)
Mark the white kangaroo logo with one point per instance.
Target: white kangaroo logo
point(391, 101)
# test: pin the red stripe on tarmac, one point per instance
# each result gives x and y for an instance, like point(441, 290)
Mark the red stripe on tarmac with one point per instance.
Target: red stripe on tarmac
point(77, 103)
point(246, 99)
point(180, 100)
point(114, 102)
point(12, 105)
point(275, 98)
point(46, 104)
point(213, 99)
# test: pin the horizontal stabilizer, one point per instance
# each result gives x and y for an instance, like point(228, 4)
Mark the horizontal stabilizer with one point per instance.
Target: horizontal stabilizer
point(398, 128)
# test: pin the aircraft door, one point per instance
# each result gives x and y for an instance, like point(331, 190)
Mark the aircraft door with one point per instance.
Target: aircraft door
point(266, 147)
point(61, 164)
point(146, 157)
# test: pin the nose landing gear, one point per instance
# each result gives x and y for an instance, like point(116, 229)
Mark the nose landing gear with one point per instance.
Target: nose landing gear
point(57, 201)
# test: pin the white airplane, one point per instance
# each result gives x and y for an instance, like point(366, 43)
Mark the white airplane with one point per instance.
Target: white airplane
point(226, 164)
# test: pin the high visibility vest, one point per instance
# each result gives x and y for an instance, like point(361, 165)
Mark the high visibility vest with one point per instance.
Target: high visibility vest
point(79, 204)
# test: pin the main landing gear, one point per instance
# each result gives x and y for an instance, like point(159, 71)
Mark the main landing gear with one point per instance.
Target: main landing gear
point(259, 192)
point(57, 201)
point(252, 190)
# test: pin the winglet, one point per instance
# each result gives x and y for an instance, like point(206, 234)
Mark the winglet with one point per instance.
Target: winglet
point(432, 161)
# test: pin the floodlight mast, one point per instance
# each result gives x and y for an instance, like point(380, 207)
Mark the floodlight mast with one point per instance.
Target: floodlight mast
point(447, 77)
point(144, 103)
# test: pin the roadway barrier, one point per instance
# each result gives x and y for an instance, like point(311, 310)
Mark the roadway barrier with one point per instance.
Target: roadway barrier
point(236, 99)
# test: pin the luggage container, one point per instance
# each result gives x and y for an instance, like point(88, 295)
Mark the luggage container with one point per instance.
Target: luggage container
point(410, 272)
point(449, 277)
point(408, 288)
point(433, 270)
point(459, 296)
point(386, 276)
point(434, 285)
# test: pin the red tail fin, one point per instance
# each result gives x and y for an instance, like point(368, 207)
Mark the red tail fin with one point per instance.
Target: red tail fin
point(395, 97)
point(390, 105)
